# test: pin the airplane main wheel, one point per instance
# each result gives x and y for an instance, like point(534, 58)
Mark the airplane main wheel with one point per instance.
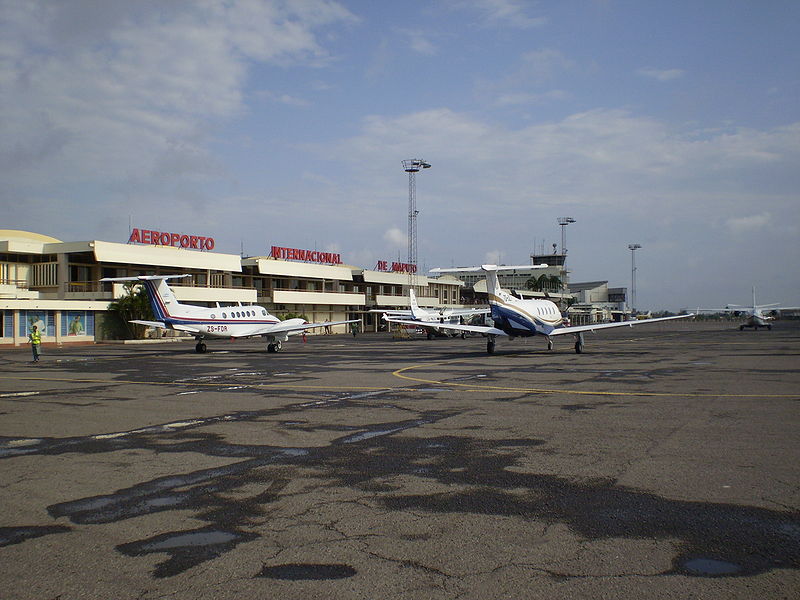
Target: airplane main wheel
point(430, 335)
point(549, 344)
point(578, 347)
point(490, 347)
point(741, 327)
point(200, 348)
point(769, 327)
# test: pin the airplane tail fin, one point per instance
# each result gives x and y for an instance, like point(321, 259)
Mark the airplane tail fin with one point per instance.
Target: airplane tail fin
point(162, 298)
point(492, 281)
point(416, 312)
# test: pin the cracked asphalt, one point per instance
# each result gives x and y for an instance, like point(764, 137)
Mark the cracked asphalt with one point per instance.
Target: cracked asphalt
point(662, 463)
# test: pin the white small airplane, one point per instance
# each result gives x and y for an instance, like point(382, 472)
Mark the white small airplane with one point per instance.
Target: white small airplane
point(218, 322)
point(756, 315)
point(515, 317)
point(430, 319)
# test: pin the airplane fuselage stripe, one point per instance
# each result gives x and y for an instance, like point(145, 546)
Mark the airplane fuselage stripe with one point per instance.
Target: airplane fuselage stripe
point(163, 314)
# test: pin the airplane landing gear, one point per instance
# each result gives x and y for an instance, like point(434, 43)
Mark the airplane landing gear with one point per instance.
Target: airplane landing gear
point(273, 346)
point(579, 343)
point(549, 343)
point(200, 348)
point(490, 345)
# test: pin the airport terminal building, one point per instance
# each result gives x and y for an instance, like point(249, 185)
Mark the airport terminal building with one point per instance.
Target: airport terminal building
point(56, 284)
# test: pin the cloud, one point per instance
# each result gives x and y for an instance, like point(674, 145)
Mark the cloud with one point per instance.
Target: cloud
point(506, 13)
point(661, 74)
point(540, 65)
point(419, 42)
point(523, 98)
point(743, 225)
point(119, 91)
point(285, 99)
point(395, 238)
point(492, 257)
point(599, 158)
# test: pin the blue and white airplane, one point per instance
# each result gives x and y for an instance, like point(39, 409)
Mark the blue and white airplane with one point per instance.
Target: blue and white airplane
point(217, 322)
point(515, 317)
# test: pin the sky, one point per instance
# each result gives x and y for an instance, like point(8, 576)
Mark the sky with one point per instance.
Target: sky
point(674, 125)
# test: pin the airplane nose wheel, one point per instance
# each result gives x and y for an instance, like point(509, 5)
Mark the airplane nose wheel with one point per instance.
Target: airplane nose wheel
point(200, 348)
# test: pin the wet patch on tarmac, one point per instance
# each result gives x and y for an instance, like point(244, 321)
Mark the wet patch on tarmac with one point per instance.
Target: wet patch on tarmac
point(754, 540)
point(211, 493)
point(307, 571)
point(15, 535)
point(709, 567)
point(187, 549)
point(579, 407)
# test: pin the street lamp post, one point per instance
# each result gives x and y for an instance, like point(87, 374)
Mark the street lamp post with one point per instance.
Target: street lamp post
point(412, 166)
point(633, 248)
point(564, 221)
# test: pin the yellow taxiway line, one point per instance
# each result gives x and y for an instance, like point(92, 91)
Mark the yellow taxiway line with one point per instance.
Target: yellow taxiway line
point(471, 387)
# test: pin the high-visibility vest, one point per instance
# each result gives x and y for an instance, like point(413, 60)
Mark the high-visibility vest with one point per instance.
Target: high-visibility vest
point(36, 337)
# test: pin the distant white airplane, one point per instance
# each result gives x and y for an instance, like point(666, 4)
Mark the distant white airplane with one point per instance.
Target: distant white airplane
point(219, 322)
point(515, 317)
point(755, 315)
point(430, 319)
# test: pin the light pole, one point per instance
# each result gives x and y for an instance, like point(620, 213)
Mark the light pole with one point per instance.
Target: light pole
point(633, 248)
point(412, 167)
point(564, 221)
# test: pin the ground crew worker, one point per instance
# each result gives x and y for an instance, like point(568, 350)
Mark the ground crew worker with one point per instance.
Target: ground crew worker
point(35, 338)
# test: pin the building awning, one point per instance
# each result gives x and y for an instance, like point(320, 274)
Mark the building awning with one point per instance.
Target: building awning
point(163, 256)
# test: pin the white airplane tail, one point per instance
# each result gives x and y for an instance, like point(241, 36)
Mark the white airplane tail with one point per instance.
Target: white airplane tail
point(416, 311)
point(162, 298)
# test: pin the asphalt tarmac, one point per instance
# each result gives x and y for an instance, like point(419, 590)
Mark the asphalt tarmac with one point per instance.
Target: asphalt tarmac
point(664, 462)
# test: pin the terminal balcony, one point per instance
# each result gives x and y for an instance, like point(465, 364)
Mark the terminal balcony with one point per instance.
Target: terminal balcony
point(280, 296)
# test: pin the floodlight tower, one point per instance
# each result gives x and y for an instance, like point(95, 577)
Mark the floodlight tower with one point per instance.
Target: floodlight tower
point(633, 248)
point(564, 221)
point(412, 167)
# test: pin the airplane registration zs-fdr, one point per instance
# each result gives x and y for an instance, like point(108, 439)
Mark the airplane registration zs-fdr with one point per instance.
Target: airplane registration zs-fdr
point(515, 317)
point(218, 322)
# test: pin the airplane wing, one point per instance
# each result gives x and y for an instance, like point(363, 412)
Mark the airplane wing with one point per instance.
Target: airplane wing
point(465, 312)
point(454, 326)
point(158, 324)
point(290, 327)
point(596, 326)
point(161, 325)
